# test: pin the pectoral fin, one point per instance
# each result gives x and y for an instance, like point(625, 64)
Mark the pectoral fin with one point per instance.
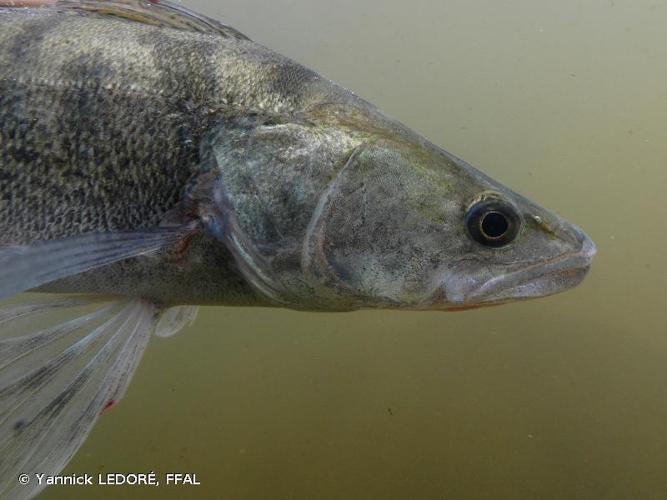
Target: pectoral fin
point(29, 266)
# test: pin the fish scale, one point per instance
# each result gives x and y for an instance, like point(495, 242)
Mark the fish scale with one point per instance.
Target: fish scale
point(125, 101)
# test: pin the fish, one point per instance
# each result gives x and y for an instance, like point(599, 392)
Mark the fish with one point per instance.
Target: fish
point(153, 160)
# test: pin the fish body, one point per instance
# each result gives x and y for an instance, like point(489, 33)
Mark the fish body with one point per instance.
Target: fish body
point(102, 121)
point(152, 160)
point(108, 124)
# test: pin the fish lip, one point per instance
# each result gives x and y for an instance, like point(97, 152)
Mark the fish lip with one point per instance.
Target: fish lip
point(530, 282)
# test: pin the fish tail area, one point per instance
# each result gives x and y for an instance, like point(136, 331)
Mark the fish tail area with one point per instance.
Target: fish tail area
point(62, 362)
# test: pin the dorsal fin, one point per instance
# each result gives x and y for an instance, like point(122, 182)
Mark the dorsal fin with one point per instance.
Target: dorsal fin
point(154, 12)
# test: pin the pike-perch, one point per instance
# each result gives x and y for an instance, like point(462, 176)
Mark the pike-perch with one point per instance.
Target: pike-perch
point(153, 159)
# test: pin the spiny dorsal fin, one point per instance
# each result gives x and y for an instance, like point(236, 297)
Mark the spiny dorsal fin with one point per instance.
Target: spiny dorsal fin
point(154, 12)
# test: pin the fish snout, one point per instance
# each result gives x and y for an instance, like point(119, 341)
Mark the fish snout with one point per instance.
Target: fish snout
point(480, 285)
point(587, 248)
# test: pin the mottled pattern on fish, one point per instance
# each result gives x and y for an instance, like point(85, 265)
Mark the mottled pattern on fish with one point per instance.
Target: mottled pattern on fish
point(101, 120)
point(101, 125)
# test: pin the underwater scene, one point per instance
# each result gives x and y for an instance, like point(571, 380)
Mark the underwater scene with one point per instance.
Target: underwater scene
point(560, 397)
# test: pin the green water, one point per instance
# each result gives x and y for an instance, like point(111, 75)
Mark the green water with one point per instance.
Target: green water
point(562, 398)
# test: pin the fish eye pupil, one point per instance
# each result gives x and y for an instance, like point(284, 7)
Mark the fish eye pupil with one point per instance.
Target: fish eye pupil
point(494, 225)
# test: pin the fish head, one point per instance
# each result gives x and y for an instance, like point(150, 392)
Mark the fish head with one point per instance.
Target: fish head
point(348, 209)
point(407, 225)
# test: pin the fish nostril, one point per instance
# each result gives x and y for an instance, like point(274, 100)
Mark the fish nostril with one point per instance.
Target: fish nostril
point(544, 226)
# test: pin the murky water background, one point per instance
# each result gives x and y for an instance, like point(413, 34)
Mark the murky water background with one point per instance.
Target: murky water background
point(560, 398)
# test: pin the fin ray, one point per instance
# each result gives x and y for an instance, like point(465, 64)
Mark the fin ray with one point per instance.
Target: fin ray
point(174, 319)
point(154, 12)
point(30, 266)
point(51, 397)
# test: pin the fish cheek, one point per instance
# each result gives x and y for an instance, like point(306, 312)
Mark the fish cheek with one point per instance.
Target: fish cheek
point(367, 241)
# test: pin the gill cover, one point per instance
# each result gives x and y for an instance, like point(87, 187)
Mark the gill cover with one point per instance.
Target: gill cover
point(264, 179)
point(318, 218)
point(377, 230)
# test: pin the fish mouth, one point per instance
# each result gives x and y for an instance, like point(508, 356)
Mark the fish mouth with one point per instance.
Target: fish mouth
point(538, 280)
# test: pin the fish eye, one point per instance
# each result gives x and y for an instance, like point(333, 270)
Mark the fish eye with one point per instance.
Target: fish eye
point(492, 223)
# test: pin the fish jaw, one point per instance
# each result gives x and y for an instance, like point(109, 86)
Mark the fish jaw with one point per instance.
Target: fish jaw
point(461, 290)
